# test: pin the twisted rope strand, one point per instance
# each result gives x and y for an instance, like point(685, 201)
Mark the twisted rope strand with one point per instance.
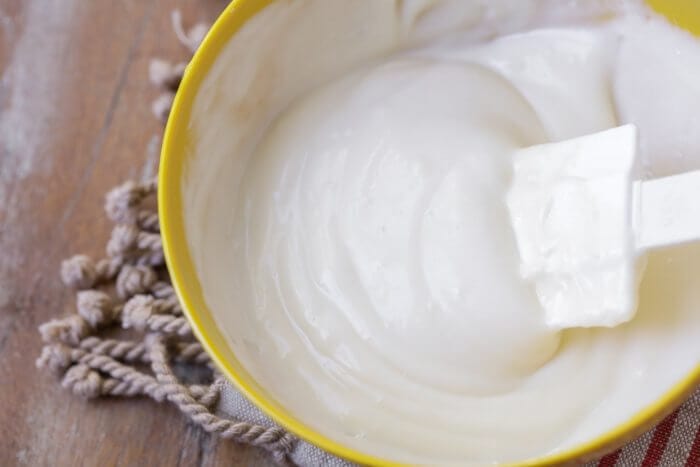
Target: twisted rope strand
point(84, 381)
point(124, 351)
point(274, 439)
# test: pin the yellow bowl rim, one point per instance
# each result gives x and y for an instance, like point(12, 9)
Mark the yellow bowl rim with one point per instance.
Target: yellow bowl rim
point(187, 287)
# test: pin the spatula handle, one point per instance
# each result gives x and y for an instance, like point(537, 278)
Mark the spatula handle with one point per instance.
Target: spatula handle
point(666, 211)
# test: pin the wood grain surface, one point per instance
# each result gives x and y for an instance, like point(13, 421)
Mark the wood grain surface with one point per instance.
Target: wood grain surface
point(75, 120)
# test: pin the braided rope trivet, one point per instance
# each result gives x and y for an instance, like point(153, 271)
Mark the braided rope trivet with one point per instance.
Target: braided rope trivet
point(130, 289)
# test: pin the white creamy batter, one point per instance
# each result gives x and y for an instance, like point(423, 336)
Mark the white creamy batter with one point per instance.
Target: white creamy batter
point(345, 210)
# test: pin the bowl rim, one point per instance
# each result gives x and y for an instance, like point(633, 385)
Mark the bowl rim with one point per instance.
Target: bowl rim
point(189, 291)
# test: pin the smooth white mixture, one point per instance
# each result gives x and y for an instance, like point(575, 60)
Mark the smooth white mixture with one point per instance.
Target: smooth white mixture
point(345, 210)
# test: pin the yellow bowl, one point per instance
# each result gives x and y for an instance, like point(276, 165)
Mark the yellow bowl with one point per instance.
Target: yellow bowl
point(173, 168)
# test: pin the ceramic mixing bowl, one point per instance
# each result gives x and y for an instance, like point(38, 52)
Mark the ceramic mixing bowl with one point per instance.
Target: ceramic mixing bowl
point(174, 169)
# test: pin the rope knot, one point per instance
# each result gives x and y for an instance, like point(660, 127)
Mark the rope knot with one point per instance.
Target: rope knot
point(123, 240)
point(166, 75)
point(56, 357)
point(137, 311)
point(79, 272)
point(162, 105)
point(83, 381)
point(122, 202)
point(96, 307)
point(134, 280)
point(69, 330)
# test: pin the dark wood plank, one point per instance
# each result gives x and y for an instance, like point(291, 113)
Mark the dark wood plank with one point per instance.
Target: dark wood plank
point(74, 121)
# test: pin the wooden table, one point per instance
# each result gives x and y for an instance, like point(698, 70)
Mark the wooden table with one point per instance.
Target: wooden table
point(75, 120)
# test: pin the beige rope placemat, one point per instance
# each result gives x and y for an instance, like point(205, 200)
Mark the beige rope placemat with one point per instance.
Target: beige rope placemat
point(129, 291)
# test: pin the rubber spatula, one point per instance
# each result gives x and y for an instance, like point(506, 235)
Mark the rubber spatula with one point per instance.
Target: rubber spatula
point(583, 224)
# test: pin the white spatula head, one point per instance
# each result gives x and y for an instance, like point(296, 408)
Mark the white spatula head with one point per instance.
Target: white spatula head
point(571, 209)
